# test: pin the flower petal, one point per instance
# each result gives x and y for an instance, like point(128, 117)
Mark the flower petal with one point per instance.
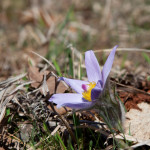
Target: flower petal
point(92, 67)
point(71, 100)
point(83, 105)
point(96, 91)
point(108, 65)
point(76, 85)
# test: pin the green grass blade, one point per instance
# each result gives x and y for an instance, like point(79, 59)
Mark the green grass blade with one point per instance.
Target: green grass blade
point(146, 57)
point(61, 142)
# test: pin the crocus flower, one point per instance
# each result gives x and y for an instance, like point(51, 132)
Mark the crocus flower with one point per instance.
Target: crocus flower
point(87, 92)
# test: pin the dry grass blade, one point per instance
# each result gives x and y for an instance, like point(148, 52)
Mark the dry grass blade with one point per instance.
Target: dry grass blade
point(2, 113)
point(15, 138)
point(77, 61)
point(55, 130)
point(83, 27)
point(141, 144)
point(8, 90)
point(124, 49)
point(106, 14)
point(123, 136)
point(4, 99)
point(45, 89)
point(50, 23)
point(44, 59)
point(12, 79)
point(20, 87)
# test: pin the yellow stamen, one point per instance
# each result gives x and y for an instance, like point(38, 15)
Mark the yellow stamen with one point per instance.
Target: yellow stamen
point(87, 94)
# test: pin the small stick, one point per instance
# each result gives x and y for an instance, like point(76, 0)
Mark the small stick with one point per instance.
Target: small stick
point(133, 88)
point(65, 123)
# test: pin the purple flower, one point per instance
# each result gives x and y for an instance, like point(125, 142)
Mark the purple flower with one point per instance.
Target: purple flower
point(87, 92)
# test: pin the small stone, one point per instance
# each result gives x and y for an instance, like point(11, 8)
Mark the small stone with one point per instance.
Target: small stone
point(138, 122)
point(25, 132)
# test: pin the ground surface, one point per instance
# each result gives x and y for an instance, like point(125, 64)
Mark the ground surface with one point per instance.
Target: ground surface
point(49, 28)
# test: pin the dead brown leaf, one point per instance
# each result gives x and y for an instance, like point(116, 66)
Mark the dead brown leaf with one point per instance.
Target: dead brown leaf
point(60, 88)
point(61, 111)
point(132, 99)
point(53, 85)
point(35, 75)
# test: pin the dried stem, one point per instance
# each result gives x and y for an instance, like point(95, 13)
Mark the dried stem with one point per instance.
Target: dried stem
point(65, 123)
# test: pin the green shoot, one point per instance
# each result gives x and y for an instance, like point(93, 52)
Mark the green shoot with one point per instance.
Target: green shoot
point(146, 57)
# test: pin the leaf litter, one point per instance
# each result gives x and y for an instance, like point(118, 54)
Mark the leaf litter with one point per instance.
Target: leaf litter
point(28, 98)
point(29, 102)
